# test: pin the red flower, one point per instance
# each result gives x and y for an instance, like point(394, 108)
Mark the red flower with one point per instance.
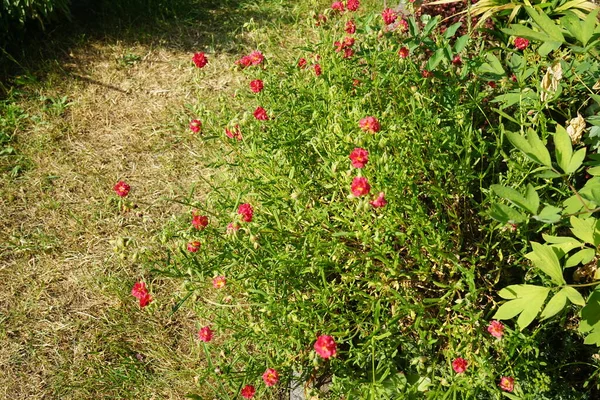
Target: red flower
point(193, 246)
point(140, 292)
point(244, 62)
point(507, 383)
point(496, 329)
point(318, 70)
point(403, 52)
point(257, 86)
point(457, 60)
point(246, 211)
point(389, 16)
point(352, 5)
point(302, 63)
point(426, 74)
point(200, 60)
point(205, 334)
point(139, 289)
point(219, 281)
point(521, 43)
point(492, 84)
point(348, 41)
point(325, 346)
point(459, 365)
point(145, 299)
point(261, 114)
point(256, 57)
point(199, 221)
point(369, 124)
point(235, 133)
point(360, 186)
point(337, 6)
point(359, 157)
point(348, 53)
point(321, 19)
point(270, 377)
point(121, 189)
point(379, 201)
point(248, 392)
point(350, 27)
point(195, 125)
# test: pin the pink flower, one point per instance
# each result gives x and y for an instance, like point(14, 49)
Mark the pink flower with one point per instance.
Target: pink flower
point(256, 57)
point(246, 211)
point(139, 289)
point(122, 189)
point(234, 133)
point(219, 281)
point(350, 27)
point(233, 227)
point(261, 114)
point(205, 334)
point(379, 201)
point(507, 383)
point(337, 6)
point(244, 62)
point(360, 186)
point(302, 63)
point(248, 391)
point(369, 124)
point(457, 60)
point(199, 221)
point(426, 74)
point(318, 70)
point(352, 5)
point(257, 86)
point(270, 377)
point(389, 16)
point(325, 346)
point(459, 365)
point(195, 125)
point(496, 329)
point(521, 43)
point(403, 25)
point(359, 157)
point(200, 60)
point(193, 246)
point(403, 52)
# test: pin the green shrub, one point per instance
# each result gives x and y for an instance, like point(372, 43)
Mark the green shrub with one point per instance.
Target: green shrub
point(14, 14)
point(403, 289)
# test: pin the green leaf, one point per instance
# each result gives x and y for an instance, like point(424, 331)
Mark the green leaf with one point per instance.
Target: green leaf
point(590, 318)
point(435, 59)
point(493, 66)
point(549, 215)
point(576, 161)
point(563, 148)
point(527, 33)
point(572, 24)
point(595, 171)
point(533, 147)
point(581, 257)
point(547, 25)
point(544, 258)
point(556, 304)
point(587, 27)
point(585, 229)
point(505, 214)
point(452, 30)
point(461, 43)
point(526, 300)
point(529, 202)
point(548, 47)
point(574, 296)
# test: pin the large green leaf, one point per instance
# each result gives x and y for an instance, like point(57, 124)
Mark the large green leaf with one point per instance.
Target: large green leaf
point(581, 257)
point(532, 146)
point(506, 214)
point(525, 301)
point(549, 215)
point(576, 161)
point(563, 148)
point(587, 27)
point(529, 202)
point(586, 230)
point(547, 25)
point(544, 258)
point(590, 318)
point(574, 296)
point(555, 305)
point(564, 243)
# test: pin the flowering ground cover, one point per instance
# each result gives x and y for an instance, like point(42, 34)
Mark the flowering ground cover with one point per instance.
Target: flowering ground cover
point(385, 204)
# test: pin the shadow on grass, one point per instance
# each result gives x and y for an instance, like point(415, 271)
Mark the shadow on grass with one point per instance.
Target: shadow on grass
point(184, 25)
